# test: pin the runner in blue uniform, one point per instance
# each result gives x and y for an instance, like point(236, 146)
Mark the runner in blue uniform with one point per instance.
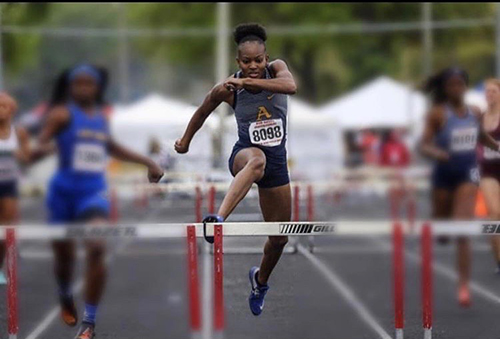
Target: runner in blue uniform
point(258, 94)
point(452, 132)
point(78, 190)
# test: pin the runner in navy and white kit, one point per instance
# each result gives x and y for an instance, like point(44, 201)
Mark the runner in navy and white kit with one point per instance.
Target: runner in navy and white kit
point(490, 161)
point(258, 94)
point(452, 132)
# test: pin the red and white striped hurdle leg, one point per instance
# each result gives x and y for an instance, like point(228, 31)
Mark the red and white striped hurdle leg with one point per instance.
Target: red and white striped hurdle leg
point(13, 326)
point(399, 281)
point(218, 281)
point(194, 292)
point(426, 245)
point(198, 204)
point(211, 200)
point(411, 207)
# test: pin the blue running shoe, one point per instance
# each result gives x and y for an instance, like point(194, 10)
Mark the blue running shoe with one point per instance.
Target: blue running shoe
point(3, 279)
point(256, 298)
point(213, 218)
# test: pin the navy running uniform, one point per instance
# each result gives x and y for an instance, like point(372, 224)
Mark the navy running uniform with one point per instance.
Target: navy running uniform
point(9, 169)
point(262, 122)
point(78, 189)
point(458, 137)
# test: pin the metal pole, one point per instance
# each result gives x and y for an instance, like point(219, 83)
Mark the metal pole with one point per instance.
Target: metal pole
point(221, 72)
point(222, 57)
point(427, 37)
point(123, 57)
point(497, 32)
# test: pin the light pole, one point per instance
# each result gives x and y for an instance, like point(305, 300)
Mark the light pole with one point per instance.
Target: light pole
point(1, 51)
point(123, 57)
point(497, 36)
point(427, 37)
point(221, 72)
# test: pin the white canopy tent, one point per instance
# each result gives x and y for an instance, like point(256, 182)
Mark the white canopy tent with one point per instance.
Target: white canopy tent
point(315, 147)
point(386, 103)
point(382, 102)
point(165, 119)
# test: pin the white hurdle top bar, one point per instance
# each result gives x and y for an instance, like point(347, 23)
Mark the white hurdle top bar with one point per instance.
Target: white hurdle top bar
point(177, 230)
point(243, 229)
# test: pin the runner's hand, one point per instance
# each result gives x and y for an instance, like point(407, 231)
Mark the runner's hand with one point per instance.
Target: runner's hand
point(181, 147)
point(155, 172)
point(233, 84)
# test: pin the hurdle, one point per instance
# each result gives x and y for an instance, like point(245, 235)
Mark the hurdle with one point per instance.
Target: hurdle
point(194, 231)
point(429, 229)
point(156, 231)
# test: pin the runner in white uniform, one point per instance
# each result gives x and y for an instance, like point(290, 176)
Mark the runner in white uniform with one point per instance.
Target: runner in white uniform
point(14, 148)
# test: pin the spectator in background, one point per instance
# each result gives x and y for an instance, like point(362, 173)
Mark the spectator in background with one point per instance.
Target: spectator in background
point(394, 152)
point(160, 155)
point(369, 144)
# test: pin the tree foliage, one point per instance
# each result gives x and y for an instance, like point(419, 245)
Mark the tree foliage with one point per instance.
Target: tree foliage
point(325, 65)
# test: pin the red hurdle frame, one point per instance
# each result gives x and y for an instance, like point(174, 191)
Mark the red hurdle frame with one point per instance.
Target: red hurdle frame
point(218, 280)
point(193, 280)
point(426, 266)
point(399, 278)
point(13, 324)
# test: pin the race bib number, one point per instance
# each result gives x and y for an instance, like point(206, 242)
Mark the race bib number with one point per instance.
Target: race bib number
point(490, 154)
point(464, 139)
point(89, 158)
point(8, 169)
point(267, 132)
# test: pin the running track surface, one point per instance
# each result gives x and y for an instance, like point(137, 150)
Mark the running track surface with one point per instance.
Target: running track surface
point(342, 290)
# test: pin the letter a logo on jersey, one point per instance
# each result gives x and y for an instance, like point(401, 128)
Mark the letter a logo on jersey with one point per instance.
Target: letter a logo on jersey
point(263, 112)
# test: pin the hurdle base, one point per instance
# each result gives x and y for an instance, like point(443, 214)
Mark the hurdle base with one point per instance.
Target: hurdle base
point(399, 333)
point(428, 333)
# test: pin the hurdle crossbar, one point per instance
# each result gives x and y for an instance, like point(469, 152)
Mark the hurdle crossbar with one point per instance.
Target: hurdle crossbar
point(244, 229)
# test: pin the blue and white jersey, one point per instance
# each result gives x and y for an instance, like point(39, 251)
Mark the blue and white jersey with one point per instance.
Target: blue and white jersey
point(83, 151)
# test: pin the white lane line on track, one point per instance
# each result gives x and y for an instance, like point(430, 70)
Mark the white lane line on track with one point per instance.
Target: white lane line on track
point(334, 280)
point(447, 272)
point(54, 312)
point(52, 315)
